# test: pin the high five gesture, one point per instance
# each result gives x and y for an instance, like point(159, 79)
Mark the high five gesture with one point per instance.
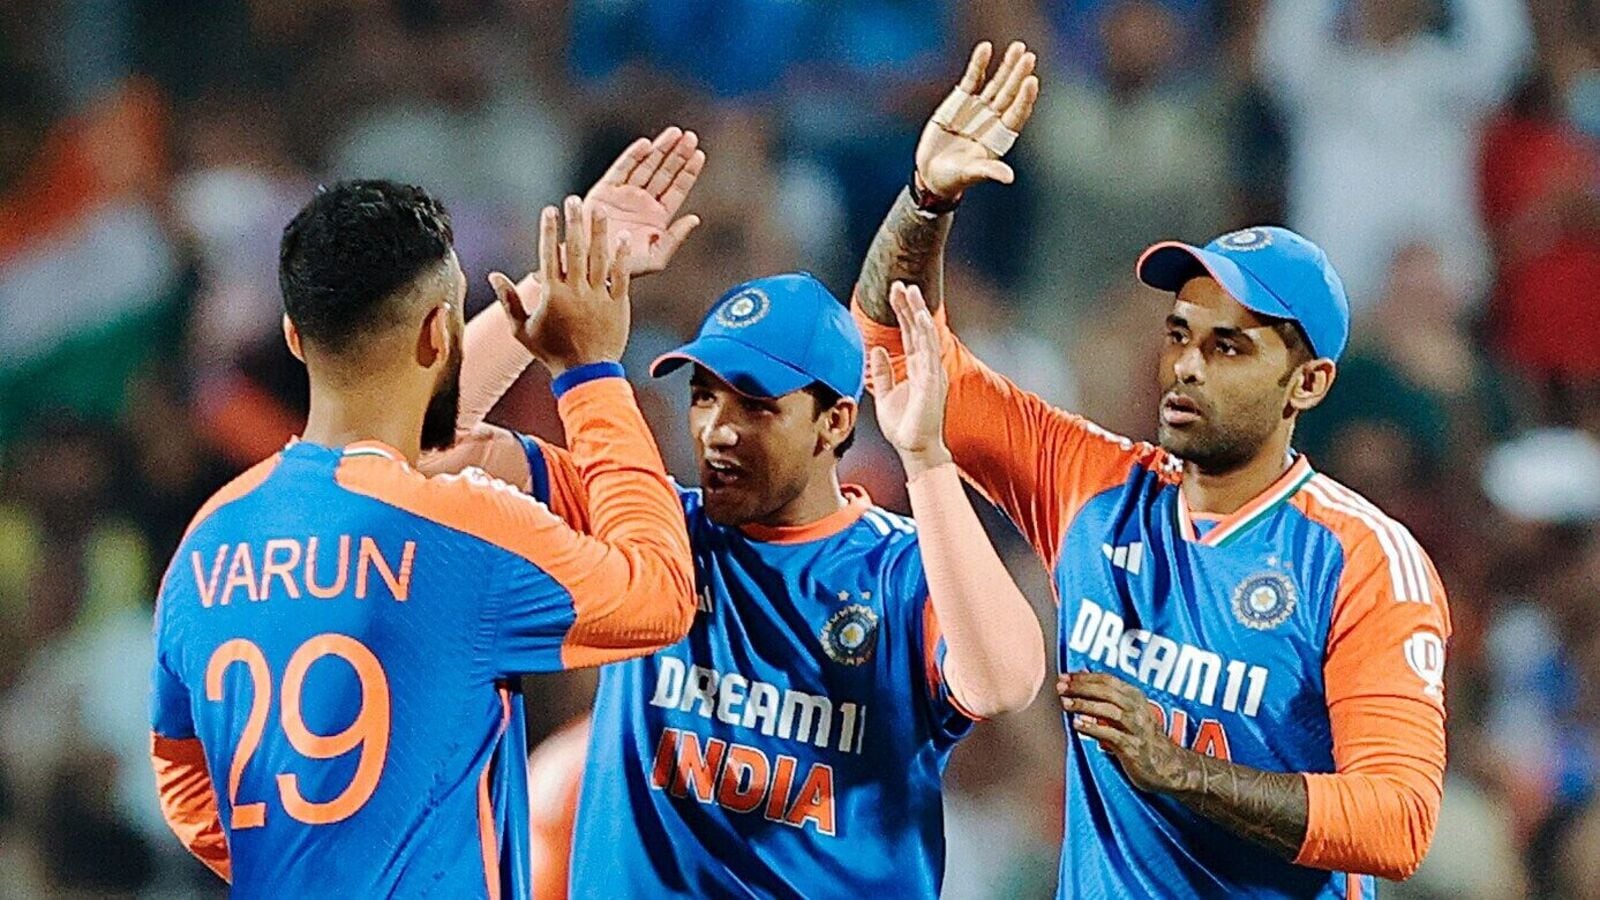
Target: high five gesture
point(911, 411)
point(977, 123)
point(960, 147)
point(585, 313)
point(642, 192)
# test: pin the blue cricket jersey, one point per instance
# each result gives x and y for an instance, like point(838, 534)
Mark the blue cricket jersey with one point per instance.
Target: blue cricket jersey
point(793, 744)
point(1252, 636)
point(337, 643)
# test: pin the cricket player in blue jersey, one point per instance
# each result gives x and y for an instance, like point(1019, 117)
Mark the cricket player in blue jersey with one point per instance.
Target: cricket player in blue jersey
point(792, 745)
point(1251, 654)
point(337, 634)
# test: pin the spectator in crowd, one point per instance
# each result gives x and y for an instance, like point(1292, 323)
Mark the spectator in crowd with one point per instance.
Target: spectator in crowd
point(459, 114)
point(1541, 199)
point(1383, 104)
point(1415, 368)
point(148, 160)
point(1119, 157)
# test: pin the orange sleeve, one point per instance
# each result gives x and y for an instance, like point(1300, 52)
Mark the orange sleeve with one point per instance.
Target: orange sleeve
point(188, 800)
point(639, 596)
point(505, 455)
point(631, 584)
point(1039, 464)
point(564, 489)
point(1383, 675)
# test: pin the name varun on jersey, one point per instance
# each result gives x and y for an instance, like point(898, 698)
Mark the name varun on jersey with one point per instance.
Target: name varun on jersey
point(293, 565)
point(1164, 664)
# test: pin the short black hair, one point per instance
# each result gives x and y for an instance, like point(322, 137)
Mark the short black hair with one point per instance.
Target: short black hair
point(827, 398)
point(1295, 341)
point(353, 247)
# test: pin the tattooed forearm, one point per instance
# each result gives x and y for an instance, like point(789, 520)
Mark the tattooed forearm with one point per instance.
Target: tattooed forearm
point(909, 247)
point(1269, 808)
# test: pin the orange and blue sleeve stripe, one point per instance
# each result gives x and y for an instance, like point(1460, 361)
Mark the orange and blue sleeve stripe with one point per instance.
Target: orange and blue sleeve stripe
point(1383, 673)
point(1039, 464)
point(555, 481)
point(640, 595)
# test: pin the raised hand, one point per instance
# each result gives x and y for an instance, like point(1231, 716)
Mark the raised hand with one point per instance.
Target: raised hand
point(639, 194)
point(580, 311)
point(643, 190)
point(962, 143)
point(911, 412)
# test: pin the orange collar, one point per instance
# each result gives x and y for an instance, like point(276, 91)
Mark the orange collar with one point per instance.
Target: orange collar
point(856, 505)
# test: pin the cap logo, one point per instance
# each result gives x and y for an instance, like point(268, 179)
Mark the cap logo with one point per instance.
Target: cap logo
point(1246, 239)
point(744, 309)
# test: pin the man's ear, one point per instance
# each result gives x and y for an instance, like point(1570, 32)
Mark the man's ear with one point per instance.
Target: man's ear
point(433, 342)
point(837, 423)
point(1311, 383)
point(291, 336)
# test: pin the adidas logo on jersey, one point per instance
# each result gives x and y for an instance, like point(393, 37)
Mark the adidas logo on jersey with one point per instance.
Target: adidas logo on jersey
point(1128, 556)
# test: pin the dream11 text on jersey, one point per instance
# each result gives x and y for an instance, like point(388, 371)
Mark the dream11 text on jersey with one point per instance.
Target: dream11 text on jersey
point(740, 777)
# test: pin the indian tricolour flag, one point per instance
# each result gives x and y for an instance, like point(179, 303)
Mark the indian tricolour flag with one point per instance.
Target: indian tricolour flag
point(90, 280)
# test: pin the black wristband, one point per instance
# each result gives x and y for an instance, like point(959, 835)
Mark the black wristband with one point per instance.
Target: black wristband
point(928, 201)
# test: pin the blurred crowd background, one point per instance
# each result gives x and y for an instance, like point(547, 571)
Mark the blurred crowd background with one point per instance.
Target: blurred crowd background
point(1446, 153)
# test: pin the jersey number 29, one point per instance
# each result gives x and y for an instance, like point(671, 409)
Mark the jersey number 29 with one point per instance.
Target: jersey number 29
point(370, 730)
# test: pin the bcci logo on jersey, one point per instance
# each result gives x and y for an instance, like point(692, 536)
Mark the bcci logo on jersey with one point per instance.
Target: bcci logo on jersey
point(850, 634)
point(1264, 601)
point(745, 308)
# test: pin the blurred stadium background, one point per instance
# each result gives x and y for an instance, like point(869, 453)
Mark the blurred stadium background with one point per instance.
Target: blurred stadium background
point(1446, 153)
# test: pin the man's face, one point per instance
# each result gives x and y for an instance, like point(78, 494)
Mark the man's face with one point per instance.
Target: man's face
point(755, 455)
point(1223, 379)
point(439, 421)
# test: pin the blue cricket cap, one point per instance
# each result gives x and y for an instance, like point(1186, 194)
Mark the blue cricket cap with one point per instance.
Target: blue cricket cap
point(1270, 270)
point(775, 335)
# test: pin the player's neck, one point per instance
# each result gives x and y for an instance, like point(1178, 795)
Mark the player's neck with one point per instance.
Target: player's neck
point(338, 417)
point(821, 498)
point(1224, 493)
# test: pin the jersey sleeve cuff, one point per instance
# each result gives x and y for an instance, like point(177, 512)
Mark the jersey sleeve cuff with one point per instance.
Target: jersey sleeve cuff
point(584, 374)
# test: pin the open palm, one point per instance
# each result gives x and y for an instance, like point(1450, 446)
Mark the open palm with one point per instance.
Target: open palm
point(638, 197)
point(642, 191)
point(949, 162)
point(911, 412)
